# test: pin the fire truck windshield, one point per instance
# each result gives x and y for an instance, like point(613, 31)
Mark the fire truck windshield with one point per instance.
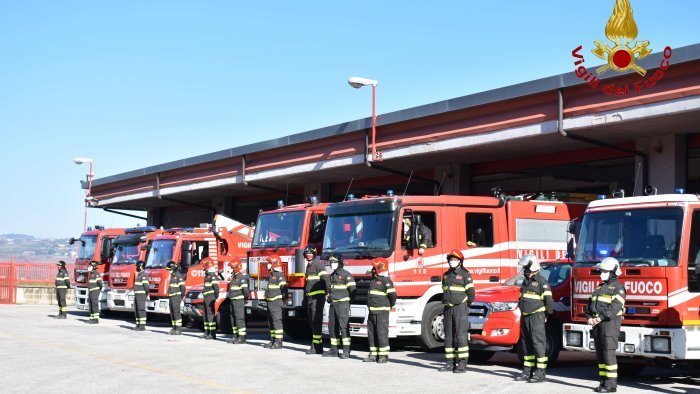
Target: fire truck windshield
point(555, 274)
point(636, 237)
point(359, 232)
point(279, 229)
point(87, 250)
point(161, 252)
point(126, 254)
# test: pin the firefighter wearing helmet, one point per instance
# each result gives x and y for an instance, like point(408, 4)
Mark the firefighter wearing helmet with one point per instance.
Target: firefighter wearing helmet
point(605, 309)
point(535, 305)
point(238, 294)
point(141, 289)
point(380, 299)
point(175, 292)
point(316, 289)
point(457, 296)
point(62, 286)
point(94, 289)
point(341, 292)
point(210, 292)
point(275, 295)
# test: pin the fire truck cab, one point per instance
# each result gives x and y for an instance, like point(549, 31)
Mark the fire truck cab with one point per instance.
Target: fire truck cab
point(656, 239)
point(94, 245)
point(286, 231)
point(128, 249)
point(491, 232)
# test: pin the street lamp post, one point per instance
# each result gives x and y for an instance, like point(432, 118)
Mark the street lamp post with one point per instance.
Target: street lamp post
point(88, 193)
point(357, 82)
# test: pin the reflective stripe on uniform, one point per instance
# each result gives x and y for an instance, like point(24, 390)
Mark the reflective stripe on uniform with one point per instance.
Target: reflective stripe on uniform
point(533, 312)
point(342, 299)
point(279, 297)
point(316, 292)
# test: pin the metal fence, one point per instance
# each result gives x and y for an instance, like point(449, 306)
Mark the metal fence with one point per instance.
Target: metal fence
point(14, 274)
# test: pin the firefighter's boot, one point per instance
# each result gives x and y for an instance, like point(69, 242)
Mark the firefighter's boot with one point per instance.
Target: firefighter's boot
point(277, 344)
point(448, 367)
point(312, 349)
point(332, 352)
point(142, 327)
point(346, 352)
point(172, 331)
point(269, 344)
point(523, 376)
point(240, 339)
point(212, 334)
point(234, 339)
point(178, 331)
point(205, 335)
point(383, 359)
point(370, 359)
point(461, 367)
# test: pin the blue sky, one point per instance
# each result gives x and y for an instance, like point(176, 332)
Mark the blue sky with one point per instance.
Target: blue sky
point(138, 83)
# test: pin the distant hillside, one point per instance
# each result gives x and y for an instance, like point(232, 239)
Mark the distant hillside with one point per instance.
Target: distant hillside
point(27, 248)
point(16, 236)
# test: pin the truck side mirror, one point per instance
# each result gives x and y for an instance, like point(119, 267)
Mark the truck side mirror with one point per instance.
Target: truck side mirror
point(105, 249)
point(299, 261)
point(570, 252)
point(71, 241)
point(186, 259)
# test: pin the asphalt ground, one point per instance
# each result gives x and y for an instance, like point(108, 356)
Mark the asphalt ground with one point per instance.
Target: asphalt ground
point(41, 354)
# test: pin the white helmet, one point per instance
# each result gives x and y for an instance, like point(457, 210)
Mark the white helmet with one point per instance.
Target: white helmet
point(529, 262)
point(610, 264)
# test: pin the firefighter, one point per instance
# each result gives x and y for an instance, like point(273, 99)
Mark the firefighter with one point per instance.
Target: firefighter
point(341, 292)
point(210, 292)
point(458, 295)
point(141, 289)
point(535, 305)
point(604, 311)
point(275, 295)
point(175, 291)
point(381, 297)
point(62, 286)
point(425, 235)
point(238, 294)
point(317, 284)
point(94, 289)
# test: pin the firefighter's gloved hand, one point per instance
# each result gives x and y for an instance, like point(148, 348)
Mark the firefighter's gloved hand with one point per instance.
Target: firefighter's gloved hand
point(421, 251)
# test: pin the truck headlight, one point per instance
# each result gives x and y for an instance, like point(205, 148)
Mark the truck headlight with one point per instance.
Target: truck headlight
point(503, 306)
point(131, 298)
point(164, 304)
point(500, 332)
point(200, 296)
point(574, 338)
point(661, 344)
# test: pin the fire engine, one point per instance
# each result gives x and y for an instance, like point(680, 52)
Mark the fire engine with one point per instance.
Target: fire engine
point(286, 231)
point(188, 246)
point(494, 321)
point(492, 232)
point(95, 245)
point(656, 238)
point(128, 249)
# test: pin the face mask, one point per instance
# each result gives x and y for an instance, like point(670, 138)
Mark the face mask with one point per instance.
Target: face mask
point(277, 269)
point(384, 274)
point(334, 266)
point(604, 276)
point(211, 270)
point(269, 266)
point(453, 263)
point(309, 257)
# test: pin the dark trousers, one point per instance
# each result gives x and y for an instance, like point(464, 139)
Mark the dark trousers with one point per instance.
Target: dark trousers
point(94, 303)
point(274, 320)
point(237, 308)
point(140, 309)
point(534, 337)
point(314, 312)
point(61, 299)
point(175, 315)
point(339, 323)
point(209, 316)
point(378, 333)
point(456, 333)
point(605, 336)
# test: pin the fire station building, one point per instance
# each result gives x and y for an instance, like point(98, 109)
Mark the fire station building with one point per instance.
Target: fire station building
point(557, 134)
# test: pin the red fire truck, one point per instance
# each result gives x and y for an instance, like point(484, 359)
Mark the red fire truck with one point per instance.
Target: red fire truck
point(286, 231)
point(189, 246)
point(492, 232)
point(494, 321)
point(128, 249)
point(95, 245)
point(656, 238)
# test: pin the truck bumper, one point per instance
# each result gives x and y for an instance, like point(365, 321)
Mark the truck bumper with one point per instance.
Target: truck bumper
point(491, 330)
point(81, 298)
point(120, 300)
point(646, 342)
point(160, 306)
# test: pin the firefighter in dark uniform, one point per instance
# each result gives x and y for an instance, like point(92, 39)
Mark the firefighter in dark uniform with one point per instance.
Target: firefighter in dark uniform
point(605, 309)
point(458, 295)
point(317, 284)
point(141, 289)
point(380, 299)
point(238, 294)
point(62, 286)
point(94, 289)
point(535, 305)
point(341, 292)
point(425, 235)
point(275, 295)
point(175, 291)
point(210, 292)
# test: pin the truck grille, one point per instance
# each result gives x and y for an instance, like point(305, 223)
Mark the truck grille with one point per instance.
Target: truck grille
point(193, 295)
point(478, 310)
point(361, 291)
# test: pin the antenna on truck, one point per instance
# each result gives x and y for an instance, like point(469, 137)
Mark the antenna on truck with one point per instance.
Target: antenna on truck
point(636, 177)
point(409, 181)
point(348, 191)
point(440, 185)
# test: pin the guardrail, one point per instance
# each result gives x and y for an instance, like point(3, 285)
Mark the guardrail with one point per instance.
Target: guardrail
point(40, 274)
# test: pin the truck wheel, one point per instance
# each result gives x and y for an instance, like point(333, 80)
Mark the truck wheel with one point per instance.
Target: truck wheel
point(223, 318)
point(297, 329)
point(432, 332)
point(480, 356)
point(554, 343)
